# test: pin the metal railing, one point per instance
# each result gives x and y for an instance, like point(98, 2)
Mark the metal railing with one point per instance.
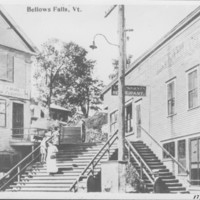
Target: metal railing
point(93, 163)
point(26, 134)
point(144, 168)
point(163, 149)
point(16, 171)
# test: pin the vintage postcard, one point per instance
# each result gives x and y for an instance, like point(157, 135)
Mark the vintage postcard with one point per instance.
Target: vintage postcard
point(100, 100)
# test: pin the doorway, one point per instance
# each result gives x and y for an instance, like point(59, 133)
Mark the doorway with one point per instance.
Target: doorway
point(128, 118)
point(18, 120)
point(195, 161)
point(138, 120)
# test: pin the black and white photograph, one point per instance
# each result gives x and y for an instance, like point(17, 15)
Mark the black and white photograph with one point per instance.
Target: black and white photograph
point(100, 99)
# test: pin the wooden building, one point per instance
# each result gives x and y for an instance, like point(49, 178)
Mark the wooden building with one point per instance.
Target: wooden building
point(170, 111)
point(16, 51)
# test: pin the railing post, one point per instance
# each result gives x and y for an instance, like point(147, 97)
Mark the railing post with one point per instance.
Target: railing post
point(33, 157)
point(108, 150)
point(141, 170)
point(92, 168)
point(18, 176)
point(129, 153)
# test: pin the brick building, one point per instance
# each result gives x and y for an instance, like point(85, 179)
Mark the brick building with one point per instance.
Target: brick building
point(170, 111)
point(16, 51)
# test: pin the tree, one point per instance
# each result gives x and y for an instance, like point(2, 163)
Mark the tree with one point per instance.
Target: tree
point(79, 87)
point(65, 76)
point(48, 65)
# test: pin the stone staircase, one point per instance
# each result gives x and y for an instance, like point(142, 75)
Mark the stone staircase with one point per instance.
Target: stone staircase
point(71, 161)
point(154, 163)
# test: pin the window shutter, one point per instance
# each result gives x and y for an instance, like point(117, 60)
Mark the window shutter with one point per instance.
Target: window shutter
point(10, 67)
point(3, 66)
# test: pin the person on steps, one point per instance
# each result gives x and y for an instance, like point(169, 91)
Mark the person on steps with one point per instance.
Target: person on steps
point(51, 159)
point(43, 150)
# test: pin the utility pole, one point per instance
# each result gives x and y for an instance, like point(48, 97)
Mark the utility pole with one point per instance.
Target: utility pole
point(121, 98)
point(121, 82)
point(121, 107)
point(121, 79)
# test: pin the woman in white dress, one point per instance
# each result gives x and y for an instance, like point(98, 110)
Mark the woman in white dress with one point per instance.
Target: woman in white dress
point(51, 159)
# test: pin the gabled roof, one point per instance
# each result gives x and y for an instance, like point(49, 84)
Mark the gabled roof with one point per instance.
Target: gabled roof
point(12, 36)
point(181, 25)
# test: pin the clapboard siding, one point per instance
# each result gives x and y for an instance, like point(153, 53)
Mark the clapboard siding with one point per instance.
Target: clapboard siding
point(171, 61)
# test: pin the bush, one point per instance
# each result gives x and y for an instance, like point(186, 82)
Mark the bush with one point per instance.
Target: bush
point(97, 121)
point(133, 180)
point(93, 135)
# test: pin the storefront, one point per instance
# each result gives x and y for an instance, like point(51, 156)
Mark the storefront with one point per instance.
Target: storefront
point(170, 111)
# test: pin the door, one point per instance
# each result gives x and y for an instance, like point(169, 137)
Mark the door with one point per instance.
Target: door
point(138, 119)
point(18, 120)
point(195, 161)
point(128, 118)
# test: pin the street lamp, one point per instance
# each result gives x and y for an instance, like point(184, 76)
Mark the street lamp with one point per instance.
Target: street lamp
point(93, 45)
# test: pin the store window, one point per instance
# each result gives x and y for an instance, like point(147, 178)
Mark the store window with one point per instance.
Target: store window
point(171, 98)
point(195, 161)
point(113, 122)
point(6, 67)
point(192, 89)
point(170, 147)
point(2, 113)
point(181, 155)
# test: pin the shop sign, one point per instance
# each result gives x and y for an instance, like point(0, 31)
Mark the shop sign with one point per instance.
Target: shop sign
point(130, 90)
point(12, 91)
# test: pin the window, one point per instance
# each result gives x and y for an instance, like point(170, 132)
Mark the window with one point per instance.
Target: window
point(171, 98)
point(170, 147)
point(2, 113)
point(6, 67)
point(181, 155)
point(192, 89)
point(113, 122)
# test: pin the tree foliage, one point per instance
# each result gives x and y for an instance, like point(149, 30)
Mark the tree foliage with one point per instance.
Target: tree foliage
point(65, 77)
point(115, 64)
point(97, 121)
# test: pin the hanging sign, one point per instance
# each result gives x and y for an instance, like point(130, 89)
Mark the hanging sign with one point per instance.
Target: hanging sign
point(130, 90)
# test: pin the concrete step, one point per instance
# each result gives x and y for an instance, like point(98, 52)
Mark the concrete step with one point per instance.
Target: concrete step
point(167, 180)
point(169, 184)
point(62, 165)
point(157, 167)
point(74, 154)
point(44, 185)
point(47, 181)
point(79, 159)
point(55, 177)
point(29, 189)
point(176, 188)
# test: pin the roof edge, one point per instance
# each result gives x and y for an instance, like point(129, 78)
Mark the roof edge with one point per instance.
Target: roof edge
point(33, 49)
point(177, 28)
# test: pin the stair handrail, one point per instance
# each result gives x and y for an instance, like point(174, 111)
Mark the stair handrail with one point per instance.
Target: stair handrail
point(18, 164)
point(141, 159)
point(175, 160)
point(91, 162)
